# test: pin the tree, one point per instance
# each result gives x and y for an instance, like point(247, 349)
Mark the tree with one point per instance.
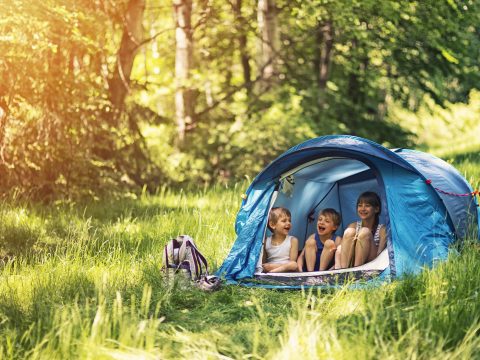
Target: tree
point(55, 99)
point(119, 84)
point(269, 38)
point(184, 100)
point(241, 28)
point(324, 46)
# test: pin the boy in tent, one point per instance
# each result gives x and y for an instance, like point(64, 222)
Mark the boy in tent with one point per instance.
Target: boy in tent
point(281, 250)
point(319, 251)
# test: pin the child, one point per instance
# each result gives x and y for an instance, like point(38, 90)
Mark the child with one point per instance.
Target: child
point(281, 249)
point(318, 253)
point(363, 240)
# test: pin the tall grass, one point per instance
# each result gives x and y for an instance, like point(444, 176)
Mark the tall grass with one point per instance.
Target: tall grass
point(84, 281)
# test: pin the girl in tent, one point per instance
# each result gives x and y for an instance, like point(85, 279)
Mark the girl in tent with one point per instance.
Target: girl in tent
point(281, 250)
point(365, 239)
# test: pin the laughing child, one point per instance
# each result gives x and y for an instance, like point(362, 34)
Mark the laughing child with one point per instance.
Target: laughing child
point(281, 250)
point(319, 251)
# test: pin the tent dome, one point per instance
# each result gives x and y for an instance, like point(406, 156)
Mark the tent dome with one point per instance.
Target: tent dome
point(425, 203)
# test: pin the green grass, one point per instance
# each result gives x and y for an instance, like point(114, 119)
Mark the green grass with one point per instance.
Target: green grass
point(84, 281)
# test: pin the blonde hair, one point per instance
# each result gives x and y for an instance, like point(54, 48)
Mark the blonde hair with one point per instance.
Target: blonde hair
point(334, 215)
point(275, 214)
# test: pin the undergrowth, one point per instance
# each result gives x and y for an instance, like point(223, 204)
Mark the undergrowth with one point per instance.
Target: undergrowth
point(84, 281)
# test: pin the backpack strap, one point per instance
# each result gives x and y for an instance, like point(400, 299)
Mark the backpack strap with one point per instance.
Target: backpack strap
point(171, 253)
point(200, 264)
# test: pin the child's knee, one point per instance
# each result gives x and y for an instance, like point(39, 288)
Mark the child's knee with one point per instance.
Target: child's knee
point(329, 245)
point(365, 238)
point(349, 233)
point(310, 243)
point(364, 233)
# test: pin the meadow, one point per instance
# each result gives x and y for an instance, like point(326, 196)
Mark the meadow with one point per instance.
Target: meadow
point(83, 280)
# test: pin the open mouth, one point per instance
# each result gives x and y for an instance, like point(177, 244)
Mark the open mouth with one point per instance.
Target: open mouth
point(321, 228)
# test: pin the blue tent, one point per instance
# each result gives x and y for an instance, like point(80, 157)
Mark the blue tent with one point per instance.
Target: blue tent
point(426, 206)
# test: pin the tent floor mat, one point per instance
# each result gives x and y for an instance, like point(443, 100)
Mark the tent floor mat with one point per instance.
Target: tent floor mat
point(325, 279)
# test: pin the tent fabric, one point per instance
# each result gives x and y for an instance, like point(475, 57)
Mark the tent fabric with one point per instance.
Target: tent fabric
point(331, 171)
point(462, 209)
point(251, 224)
point(333, 144)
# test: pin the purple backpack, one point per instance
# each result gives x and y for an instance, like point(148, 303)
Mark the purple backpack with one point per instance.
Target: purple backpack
point(181, 255)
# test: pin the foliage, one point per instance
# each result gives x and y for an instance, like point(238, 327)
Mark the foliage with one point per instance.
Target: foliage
point(57, 134)
point(445, 131)
point(55, 139)
point(388, 50)
point(383, 54)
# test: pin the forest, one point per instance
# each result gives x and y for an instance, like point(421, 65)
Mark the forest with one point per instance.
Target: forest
point(125, 123)
point(107, 98)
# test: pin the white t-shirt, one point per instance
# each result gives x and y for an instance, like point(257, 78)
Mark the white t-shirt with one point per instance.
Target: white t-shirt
point(278, 254)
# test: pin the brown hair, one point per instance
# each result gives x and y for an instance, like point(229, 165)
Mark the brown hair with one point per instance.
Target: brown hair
point(275, 214)
point(334, 215)
point(372, 198)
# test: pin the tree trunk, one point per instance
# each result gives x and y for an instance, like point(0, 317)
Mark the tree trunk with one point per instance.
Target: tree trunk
point(324, 53)
point(353, 95)
point(240, 24)
point(3, 128)
point(184, 102)
point(129, 45)
point(267, 25)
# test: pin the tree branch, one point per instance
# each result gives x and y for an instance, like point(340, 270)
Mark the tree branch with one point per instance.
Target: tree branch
point(234, 90)
point(146, 41)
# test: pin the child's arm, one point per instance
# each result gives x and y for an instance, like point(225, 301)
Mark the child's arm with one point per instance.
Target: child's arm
point(300, 260)
point(269, 267)
point(294, 249)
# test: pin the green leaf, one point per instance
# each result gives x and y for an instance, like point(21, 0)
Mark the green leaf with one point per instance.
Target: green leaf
point(450, 58)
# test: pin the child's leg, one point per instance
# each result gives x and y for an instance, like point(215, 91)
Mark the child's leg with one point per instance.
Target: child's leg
point(338, 257)
point(347, 248)
point(363, 246)
point(300, 260)
point(310, 254)
point(327, 254)
point(373, 251)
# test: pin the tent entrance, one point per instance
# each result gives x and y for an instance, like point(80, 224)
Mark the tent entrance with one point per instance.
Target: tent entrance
point(329, 182)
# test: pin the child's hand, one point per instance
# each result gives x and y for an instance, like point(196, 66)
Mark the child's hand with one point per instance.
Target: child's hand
point(267, 267)
point(330, 246)
point(300, 264)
